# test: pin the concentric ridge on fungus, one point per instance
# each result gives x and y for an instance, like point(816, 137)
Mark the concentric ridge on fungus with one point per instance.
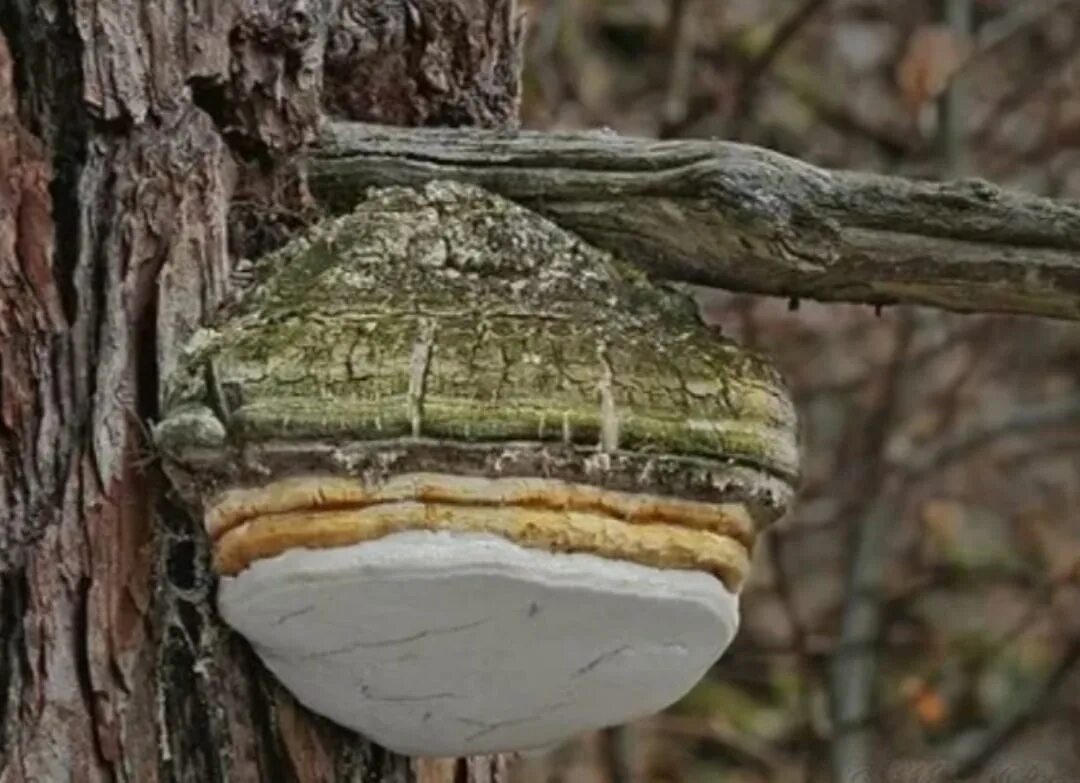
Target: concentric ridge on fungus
point(319, 512)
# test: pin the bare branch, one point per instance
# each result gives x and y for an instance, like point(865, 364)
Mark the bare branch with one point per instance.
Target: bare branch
point(744, 218)
point(748, 749)
point(784, 34)
point(854, 664)
point(853, 668)
point(681, 70)
point(1012, 721)
point(953, 131)
point(943, 453)
point(616, 748)
point(1001, 30)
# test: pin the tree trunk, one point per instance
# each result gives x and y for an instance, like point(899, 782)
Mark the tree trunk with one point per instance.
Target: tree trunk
point(144, 147)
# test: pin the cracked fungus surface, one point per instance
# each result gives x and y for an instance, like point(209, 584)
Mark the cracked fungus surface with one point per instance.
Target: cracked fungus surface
point(452, 313)
point(447, 331)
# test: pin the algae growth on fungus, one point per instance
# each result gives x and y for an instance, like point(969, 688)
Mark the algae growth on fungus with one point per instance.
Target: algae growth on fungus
point(450, 316)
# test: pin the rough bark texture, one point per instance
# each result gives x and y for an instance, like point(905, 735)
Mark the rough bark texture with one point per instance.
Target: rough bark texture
point(456, 70)
point(744, 218)
point(127, 131)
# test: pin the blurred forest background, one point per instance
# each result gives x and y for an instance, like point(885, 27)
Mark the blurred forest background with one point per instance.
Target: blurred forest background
point(917, 618)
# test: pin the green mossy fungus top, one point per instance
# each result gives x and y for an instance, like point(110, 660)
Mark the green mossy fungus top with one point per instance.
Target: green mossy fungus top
point(449, 325)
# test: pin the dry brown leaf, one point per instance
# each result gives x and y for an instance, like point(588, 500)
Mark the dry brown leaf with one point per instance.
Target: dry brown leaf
point(943, 521)
point(925, 702)
point(933, 56)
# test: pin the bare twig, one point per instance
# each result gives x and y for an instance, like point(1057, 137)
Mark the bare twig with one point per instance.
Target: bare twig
point(947, 451)
point(832, 111)
point(746, 747)
point(798, 632)
point(786, 595)
point(810, 90)
point(988, 40)
point(785, 34)
point(1030, 87)
point(616, 747)
point(681, 72)
point(998, 32)
point(960, 334)
point(953, 130)
point(1034, 612)
point(973, 759)
point(853, 668)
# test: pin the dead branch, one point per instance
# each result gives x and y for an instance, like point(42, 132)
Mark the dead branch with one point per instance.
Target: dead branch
point(1057, 413)
point(971, 760)
point(785, 33)
point(744, 218)
point(854, 665)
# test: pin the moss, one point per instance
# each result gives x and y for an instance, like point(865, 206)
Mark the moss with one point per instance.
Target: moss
point(451, 313)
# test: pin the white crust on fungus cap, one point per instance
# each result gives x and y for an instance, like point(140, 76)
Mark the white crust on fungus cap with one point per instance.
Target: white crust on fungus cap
point(451, 644)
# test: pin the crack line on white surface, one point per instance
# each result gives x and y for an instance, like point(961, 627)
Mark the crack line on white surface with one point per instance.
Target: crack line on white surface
point(298, 613)
point(501, 725)
point(600, 659)
point(490, 727)
point(402, 640)
point(422, 697)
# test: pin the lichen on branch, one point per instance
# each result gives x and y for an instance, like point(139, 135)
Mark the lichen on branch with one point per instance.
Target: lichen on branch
point(744, 218)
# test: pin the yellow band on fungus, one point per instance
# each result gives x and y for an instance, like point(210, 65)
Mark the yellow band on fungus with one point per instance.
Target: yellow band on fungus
point(548, 514)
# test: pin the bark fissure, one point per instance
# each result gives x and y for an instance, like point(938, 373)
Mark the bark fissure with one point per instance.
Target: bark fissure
point(83, 653)
point(13, 664)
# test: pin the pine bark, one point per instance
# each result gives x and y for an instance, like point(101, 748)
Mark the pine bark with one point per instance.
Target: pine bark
point(144, 147)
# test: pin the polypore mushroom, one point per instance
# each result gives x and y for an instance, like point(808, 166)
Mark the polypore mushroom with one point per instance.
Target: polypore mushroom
point(473, 485)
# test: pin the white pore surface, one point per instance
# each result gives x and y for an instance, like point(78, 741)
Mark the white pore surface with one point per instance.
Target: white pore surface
point(439, 644)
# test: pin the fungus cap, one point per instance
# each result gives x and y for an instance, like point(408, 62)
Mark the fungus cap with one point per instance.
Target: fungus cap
point(473, 485)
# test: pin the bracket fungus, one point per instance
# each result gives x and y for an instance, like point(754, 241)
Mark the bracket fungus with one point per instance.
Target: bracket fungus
point(472, 484)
